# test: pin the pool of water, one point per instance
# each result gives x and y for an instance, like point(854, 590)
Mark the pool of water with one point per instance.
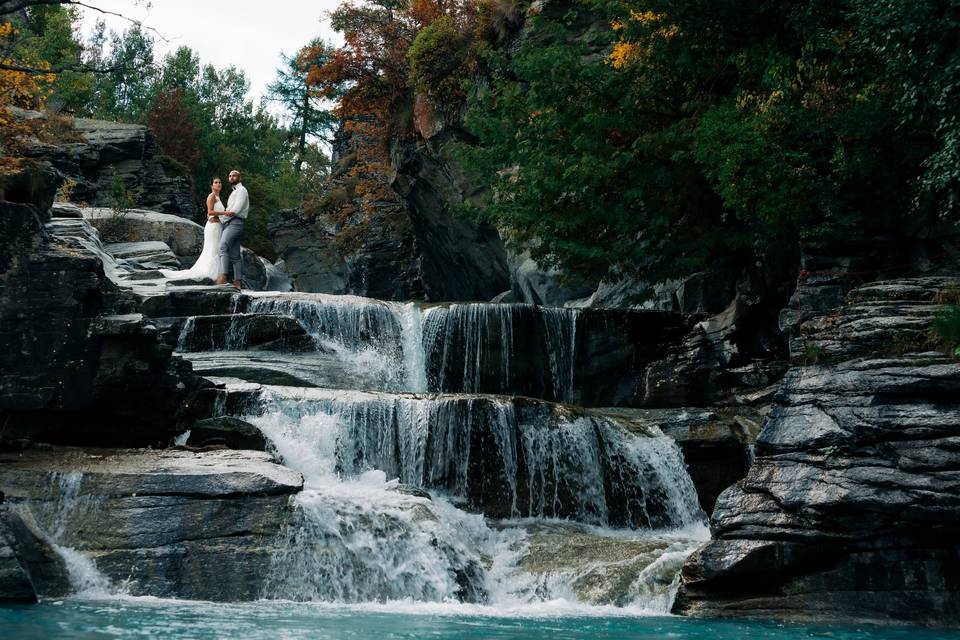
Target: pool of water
point(152, 618)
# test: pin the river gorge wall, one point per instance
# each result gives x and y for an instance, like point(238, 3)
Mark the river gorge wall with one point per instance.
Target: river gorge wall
point(492, 452)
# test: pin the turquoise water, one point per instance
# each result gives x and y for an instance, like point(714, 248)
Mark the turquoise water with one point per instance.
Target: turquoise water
point(147, 618)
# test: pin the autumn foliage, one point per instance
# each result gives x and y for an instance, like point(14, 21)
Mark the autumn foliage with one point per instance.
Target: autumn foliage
point(173, 123)
point(23, 90)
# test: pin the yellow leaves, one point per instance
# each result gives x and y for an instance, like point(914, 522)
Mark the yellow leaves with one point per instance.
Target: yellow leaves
point(646, 18)
point(623, 54)
point(18, 89)
point(653, 27)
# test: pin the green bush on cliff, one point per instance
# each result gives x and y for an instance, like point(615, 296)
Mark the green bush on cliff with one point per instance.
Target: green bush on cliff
point(689, 130)
point(946, 326)
point(436, 59)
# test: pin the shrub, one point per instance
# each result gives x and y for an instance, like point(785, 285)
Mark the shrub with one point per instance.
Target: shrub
point(946, 326)
point(437, 60)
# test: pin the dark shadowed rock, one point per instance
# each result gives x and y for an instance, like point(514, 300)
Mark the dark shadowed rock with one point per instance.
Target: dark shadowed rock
point(227, 430)
point(59, 353)
point(252, 331)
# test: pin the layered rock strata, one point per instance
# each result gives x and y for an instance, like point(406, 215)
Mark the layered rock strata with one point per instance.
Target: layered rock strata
point(168, 523)
point(850, 510)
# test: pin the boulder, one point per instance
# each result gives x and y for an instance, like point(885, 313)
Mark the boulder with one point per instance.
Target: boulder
point(65, 210)
point(310, 258)
point(253, 269)
point(149, 254)
point(226, 430)
point(254, 331)
point(183, 237)
point(534, 285)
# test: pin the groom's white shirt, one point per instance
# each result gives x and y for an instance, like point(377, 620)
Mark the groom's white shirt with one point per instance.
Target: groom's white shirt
point(239, 201)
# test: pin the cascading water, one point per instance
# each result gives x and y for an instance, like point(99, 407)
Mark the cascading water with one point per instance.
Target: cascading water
point(359, 536)
point(474, 348)
point(468, 348)
point(478, 449)
point(574, 505)
point(52, 517)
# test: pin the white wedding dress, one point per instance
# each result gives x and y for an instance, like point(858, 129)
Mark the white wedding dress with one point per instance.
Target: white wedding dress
point(208, 264)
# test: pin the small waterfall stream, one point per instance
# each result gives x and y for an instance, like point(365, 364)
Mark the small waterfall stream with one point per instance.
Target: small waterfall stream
point(53, 518)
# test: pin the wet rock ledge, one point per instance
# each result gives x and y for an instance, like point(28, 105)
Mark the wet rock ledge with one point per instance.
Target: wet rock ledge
point(164, 523)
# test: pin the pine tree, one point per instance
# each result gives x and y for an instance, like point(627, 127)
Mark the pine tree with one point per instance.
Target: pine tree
point(309, 118)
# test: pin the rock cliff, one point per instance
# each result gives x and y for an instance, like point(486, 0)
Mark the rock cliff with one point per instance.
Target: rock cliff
point(77, 363)
point(99, 155)
point(850, 508)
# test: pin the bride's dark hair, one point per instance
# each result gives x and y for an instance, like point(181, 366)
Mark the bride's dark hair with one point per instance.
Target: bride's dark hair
point(214, 179)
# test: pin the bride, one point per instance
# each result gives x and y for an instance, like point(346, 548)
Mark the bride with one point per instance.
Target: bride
point(208, 264)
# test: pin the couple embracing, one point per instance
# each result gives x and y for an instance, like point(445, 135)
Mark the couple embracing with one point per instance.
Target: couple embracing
point(220, 256)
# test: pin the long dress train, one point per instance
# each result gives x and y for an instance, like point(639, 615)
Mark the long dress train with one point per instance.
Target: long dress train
point(208, 264)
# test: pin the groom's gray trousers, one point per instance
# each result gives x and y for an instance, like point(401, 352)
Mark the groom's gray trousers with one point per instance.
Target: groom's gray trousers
point(230, 247)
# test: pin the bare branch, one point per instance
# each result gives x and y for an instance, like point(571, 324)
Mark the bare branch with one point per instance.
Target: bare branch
point(78, 68)
point(9, 6)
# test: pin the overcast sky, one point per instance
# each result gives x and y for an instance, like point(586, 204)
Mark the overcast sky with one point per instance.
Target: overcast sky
point(250, 34)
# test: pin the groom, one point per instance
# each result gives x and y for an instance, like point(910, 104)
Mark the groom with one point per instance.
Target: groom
point(232, 220)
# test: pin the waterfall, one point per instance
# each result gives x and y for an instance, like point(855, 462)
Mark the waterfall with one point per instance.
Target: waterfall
point(470, 348)
point(361, 536)
point(528, 500)
point(356, 538)
point(560, 329)
point(473, 348)
point(365, 333)
point(535, 461)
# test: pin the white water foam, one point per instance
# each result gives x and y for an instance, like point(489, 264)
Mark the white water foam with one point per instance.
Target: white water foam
point(360, 538)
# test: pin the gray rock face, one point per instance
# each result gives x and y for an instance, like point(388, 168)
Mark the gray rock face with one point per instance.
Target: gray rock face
point(164, 523)
point(459, 260)
point(312, 262)
point(60, 351)
point(851, 509)
point(401, 245)
point(127, 153)
point(183, 237)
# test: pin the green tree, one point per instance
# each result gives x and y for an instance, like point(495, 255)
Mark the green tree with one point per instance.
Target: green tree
point(692, 130)
point(309, 117)
point(127, 93)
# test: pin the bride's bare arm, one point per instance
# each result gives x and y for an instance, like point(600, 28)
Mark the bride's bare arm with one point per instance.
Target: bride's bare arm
point(211, 213)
